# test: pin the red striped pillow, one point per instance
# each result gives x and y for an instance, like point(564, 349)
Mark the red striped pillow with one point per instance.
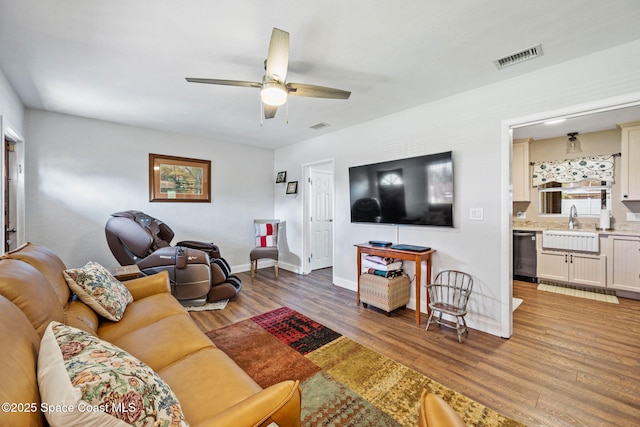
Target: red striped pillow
point(267, 234)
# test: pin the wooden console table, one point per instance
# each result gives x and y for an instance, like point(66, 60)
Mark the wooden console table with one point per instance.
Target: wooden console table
point(416, 257)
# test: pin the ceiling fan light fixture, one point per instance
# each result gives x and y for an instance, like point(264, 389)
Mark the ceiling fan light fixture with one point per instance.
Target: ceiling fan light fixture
point(274, 88)
point(273, 93)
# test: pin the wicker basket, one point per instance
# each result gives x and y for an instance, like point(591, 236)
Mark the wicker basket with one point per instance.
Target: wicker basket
point(385, 294)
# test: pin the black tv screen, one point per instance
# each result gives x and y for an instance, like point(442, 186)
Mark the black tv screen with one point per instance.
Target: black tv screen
point(412, 191)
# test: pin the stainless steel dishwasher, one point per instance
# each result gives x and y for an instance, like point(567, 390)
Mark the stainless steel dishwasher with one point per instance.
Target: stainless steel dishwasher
point(524, 256)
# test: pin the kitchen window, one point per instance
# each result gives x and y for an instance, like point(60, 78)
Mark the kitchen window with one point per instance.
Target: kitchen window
point(589, 197)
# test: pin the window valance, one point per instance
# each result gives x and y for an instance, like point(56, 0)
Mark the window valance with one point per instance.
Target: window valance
point(573, 170)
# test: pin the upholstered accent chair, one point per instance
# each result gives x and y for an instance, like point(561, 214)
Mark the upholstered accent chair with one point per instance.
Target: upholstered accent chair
point(266, 236)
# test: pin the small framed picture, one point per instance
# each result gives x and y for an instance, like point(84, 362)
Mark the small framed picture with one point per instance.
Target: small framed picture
point(292, 187)
point(281, 177)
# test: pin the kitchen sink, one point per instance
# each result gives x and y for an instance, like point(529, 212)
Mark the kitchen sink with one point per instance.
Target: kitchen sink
point(571, 240)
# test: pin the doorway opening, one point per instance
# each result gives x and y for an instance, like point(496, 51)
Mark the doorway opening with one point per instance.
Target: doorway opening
point(615, 108)
point(10, 179)
point(13, 191)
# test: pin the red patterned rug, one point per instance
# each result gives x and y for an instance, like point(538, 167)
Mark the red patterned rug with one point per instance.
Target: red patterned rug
point(343, 383)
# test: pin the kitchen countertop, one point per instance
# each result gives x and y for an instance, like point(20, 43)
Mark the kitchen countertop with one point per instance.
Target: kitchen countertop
point(626, 229)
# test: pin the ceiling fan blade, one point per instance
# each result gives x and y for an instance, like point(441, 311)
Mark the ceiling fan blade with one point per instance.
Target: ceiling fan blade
point(224, 82)
point(278, 55)
point(301, 89)
point(269, 111)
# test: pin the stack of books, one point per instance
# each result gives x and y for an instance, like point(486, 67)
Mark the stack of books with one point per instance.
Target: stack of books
point(381, 266)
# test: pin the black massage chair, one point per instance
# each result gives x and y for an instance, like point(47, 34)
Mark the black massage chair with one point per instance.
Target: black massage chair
point(197, 272)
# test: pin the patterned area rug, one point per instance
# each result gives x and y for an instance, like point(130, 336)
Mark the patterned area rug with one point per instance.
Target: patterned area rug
point(604, 295)
point(220, 305)
point(343, 383)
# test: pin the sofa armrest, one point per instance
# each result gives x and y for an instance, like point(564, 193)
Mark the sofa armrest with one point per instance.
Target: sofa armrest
point(279, 403)
point(148, 285)
point(435, 412)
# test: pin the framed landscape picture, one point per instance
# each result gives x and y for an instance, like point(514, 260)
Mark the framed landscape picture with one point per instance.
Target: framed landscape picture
point(179, 179)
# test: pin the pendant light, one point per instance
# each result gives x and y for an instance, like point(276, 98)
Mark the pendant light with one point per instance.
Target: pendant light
point(573, 143)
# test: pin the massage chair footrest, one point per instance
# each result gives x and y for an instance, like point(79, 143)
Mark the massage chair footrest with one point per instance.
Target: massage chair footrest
point(228, 289)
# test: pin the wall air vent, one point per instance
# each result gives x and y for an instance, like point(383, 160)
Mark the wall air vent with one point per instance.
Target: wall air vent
point(320, 125)
point(516, 58)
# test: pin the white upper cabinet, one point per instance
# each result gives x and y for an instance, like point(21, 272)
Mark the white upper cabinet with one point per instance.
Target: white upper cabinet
point(521, 171)
point(630, 161)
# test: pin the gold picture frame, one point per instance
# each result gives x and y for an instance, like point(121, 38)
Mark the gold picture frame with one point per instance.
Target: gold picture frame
point(179, 179)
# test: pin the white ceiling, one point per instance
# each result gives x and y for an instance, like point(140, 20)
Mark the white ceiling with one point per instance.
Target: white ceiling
point(582, 123)
point(126, 60)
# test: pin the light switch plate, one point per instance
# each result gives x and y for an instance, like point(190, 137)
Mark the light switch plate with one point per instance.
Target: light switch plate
point(476, 214)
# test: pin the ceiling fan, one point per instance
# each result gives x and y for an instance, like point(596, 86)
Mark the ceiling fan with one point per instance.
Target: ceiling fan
point(274, 89)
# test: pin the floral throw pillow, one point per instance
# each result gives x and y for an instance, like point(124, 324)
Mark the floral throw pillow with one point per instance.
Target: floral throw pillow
point(97, 288)
point(85, 381)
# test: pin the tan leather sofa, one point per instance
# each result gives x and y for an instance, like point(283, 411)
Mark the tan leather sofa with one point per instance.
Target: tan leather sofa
point(155, 328)
point(435, 412)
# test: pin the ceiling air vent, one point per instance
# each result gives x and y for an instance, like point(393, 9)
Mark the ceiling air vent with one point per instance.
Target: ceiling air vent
point(515, 58)
point(319, 125)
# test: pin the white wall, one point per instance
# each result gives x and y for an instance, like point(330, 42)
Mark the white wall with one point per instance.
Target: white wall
point(11, 108)
point(12, 127)
point(79, 171)
point(470, 124)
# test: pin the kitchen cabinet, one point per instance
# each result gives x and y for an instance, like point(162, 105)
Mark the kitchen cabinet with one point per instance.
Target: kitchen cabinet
point(521, 171)
point(629, 161)
point(572, 267)
point(623, 255)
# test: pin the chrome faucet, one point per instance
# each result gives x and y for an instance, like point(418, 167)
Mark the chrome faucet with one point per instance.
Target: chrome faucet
point(573, 213)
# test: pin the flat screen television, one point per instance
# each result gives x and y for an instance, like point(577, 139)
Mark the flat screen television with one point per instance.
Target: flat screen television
point(411, 191)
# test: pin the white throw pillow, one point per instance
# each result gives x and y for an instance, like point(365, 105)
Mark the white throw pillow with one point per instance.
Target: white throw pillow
point(85, 381)
point(97, 288)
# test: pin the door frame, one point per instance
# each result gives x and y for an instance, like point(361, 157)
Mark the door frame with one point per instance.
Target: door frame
point(506, 204)
point(8, 133)
point(306, 223)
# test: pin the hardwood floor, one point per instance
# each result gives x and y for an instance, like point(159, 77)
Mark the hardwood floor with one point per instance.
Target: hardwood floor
point(570, 362)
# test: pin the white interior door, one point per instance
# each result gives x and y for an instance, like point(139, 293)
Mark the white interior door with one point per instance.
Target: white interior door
point(321, 219)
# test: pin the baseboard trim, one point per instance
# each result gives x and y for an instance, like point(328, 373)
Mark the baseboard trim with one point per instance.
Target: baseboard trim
point(266, 264)
point(345, 283)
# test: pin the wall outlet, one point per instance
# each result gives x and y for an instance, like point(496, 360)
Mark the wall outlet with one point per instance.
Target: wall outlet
point(476, 214)
point(521, 215)
point(633, 216)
